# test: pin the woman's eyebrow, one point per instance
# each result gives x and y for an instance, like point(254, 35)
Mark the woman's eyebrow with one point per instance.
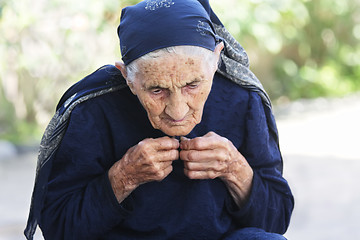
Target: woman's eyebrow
point(194, 81)
point(151, 86)
point(154, 87)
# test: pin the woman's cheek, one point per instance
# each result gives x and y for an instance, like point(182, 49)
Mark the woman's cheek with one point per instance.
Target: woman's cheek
point(197, 116)
point(197, 106)
point(199, 99)
point(152, 106)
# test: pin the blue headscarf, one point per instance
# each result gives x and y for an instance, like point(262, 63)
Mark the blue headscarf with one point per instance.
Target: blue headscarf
point(155, 24)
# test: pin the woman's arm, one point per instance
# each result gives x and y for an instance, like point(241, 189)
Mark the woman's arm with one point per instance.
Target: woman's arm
point(80, 203)
point(252, 174)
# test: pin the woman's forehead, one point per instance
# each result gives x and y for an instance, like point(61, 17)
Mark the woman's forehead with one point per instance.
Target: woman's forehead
point(171, 67)
point(172, 64)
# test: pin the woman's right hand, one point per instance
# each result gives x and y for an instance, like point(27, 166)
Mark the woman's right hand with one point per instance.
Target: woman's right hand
point(149, 160)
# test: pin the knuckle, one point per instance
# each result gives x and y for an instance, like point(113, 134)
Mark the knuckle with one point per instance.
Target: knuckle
point(211, 133)
point(141, 147)
point(142, 143)
point(197, 143)
point(219, 155)
point(212, 175)
point(145, 142)
point(224, 142)
point(191, 156)
point(223, 155)
point(221, 166)
point(229, 145)
point(217, 166)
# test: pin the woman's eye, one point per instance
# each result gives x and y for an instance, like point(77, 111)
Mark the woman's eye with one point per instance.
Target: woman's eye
point(156, 91)
point(192, 85)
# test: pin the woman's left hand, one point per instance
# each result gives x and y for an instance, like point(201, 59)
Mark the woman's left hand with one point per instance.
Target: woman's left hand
point(213, 156)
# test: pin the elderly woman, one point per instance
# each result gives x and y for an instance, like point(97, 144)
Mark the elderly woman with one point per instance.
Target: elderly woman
point(176, 142)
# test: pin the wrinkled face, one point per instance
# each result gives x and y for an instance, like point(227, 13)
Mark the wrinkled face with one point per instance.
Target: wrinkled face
point(173, 89)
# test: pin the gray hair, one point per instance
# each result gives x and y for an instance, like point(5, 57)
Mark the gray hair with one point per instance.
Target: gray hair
point(208, 56)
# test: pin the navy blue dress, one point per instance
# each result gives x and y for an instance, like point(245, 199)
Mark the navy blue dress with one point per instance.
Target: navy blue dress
point(80, 203)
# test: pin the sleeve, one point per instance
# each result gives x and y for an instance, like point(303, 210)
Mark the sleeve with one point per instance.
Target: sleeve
point(80, 203)
point(271, 202)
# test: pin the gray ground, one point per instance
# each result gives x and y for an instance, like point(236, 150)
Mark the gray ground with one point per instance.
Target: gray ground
point(320, 146)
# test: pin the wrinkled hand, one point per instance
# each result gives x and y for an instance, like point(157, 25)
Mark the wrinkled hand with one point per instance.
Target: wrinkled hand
point(213, 156)
point(149, 160)
point(210, 156)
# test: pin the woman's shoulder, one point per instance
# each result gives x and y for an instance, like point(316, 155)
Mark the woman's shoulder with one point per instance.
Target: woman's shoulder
point(102, 96)
point(104, 80)
point(232, 92)
point(228, 91)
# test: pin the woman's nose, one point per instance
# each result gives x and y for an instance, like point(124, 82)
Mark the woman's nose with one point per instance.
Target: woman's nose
point(177, 107)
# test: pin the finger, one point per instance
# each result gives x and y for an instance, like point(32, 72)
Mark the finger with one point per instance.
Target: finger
point(182, 138)
point(151, 145)
point(159, 156)
point(209, 141)
point(166, 143)
point(214, 166)
point(165, 156)
point(204, 155)
point(200, 174)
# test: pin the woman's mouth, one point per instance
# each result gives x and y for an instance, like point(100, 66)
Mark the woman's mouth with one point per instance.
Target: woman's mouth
point(175, 122)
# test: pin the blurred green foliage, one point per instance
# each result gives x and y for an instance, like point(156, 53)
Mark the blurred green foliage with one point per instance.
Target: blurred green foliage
point(297, 48)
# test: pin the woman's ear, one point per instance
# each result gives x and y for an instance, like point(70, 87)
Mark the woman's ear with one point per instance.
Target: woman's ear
point(219, 47)
point(121, 66)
